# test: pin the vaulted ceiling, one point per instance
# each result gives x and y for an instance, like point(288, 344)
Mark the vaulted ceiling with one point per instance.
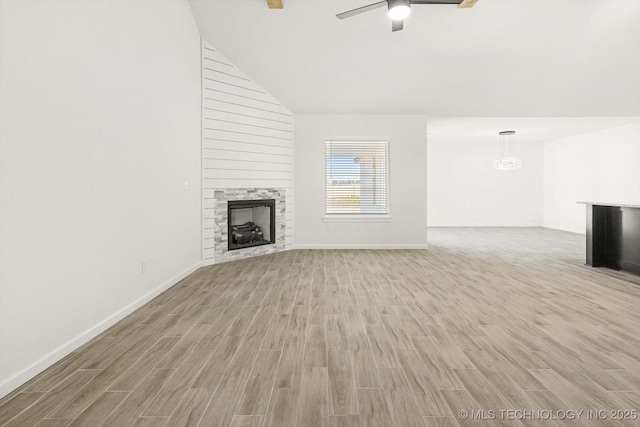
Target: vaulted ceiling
point(504, 58)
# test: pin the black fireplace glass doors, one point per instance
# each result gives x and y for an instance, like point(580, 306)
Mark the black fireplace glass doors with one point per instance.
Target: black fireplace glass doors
point(251, 223)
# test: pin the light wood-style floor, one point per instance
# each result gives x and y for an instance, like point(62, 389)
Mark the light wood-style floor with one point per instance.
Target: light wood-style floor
point(493, 319)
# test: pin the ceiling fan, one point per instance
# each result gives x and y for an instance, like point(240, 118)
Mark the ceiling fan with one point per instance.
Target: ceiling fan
point(400, 9)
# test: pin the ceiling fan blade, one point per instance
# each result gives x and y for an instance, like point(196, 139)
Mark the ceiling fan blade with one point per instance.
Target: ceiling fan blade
point(361, 10)
point(436, 1)
point(466, 4)
point(275, 4)
point(397, 25)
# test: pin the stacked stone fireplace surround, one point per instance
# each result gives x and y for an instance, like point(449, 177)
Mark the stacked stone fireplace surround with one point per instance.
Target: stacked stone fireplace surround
point(221, 236)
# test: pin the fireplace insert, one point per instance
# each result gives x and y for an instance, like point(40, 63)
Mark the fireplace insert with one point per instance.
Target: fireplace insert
point(251, 223)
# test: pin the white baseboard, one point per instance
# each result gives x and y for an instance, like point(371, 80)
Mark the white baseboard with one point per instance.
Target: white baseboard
point(34, 369)
point(362, 246)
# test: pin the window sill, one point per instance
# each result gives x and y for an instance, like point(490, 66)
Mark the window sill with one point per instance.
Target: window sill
point(357, 218)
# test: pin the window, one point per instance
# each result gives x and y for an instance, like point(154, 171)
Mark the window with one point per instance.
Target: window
point(357, 174)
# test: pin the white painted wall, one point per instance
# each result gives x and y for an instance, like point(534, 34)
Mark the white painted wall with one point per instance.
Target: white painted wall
point(465, 190)
point(598, 166)
point(408, 196)
point(100, 130)
point(247, 140)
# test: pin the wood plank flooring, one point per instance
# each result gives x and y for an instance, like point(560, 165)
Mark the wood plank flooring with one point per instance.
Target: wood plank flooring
point(486, 320)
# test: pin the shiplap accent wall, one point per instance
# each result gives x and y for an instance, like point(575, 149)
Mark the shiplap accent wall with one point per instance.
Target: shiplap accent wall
point(247, 140)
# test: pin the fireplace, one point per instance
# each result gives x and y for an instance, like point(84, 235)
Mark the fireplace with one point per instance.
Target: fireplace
point(251, 223)
point(217, 244)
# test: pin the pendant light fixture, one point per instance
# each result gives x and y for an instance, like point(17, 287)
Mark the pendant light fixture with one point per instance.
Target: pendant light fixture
point(507, 160)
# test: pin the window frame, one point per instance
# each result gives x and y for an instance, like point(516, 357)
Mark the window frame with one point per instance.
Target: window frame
point(360, 216)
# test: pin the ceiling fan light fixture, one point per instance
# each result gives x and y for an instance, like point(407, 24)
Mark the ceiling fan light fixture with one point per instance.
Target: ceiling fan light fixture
point(399, 9)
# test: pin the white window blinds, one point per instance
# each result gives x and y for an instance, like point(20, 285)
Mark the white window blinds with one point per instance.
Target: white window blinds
point(357, 174)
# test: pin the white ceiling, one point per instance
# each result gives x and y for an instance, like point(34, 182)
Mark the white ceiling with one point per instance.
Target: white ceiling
point(528, 129)
point(502, 58)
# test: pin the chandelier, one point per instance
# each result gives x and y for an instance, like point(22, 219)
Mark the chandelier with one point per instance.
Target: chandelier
point(507, 161)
